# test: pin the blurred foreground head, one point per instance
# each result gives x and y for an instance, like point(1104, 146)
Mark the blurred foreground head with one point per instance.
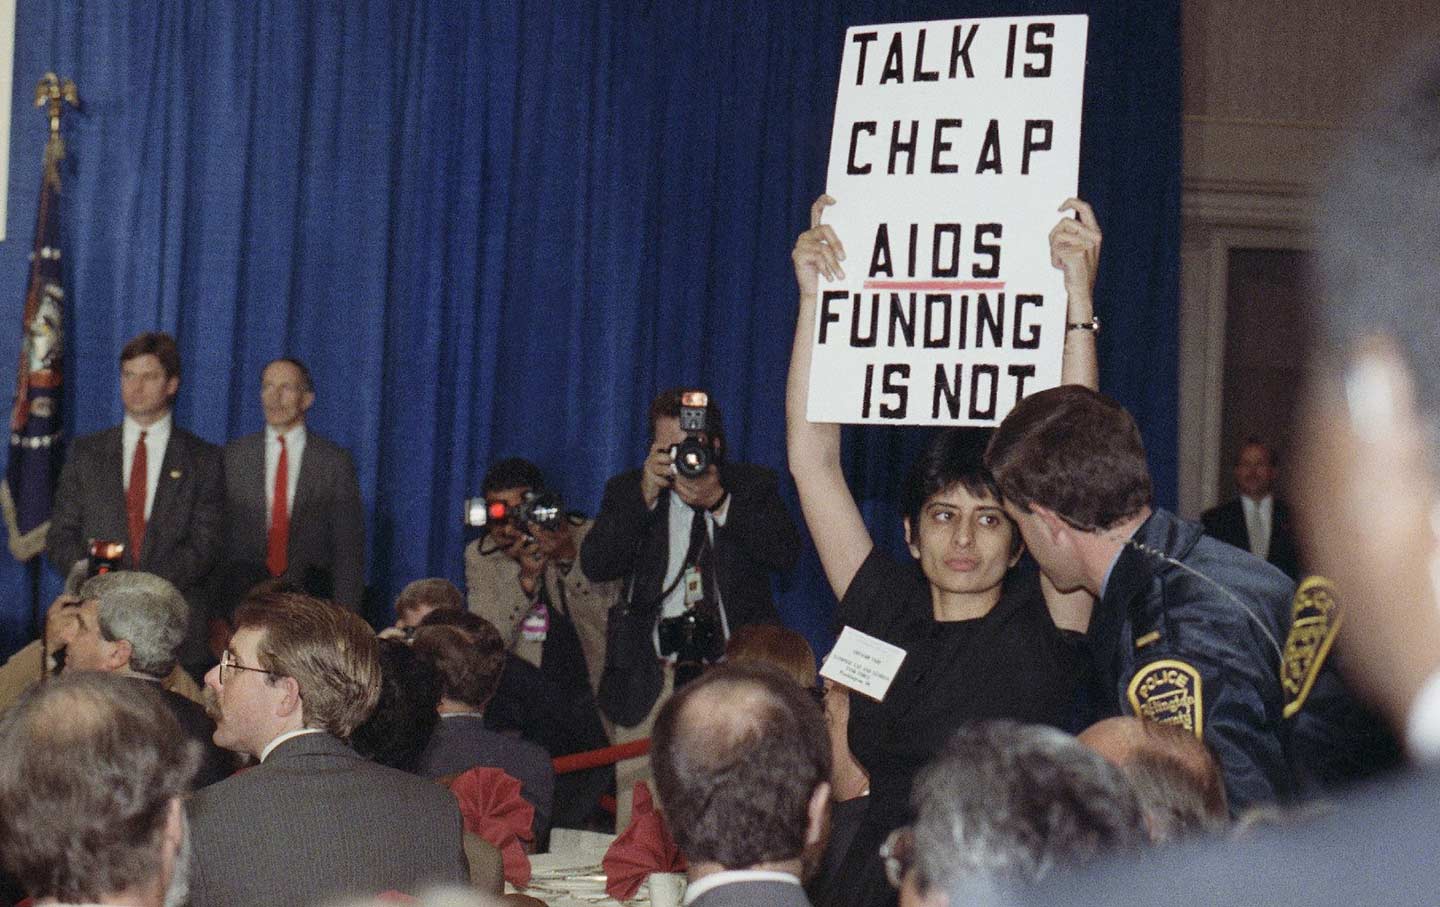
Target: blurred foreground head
point(1004, 804)
point(92, 770)
point(1370, 442)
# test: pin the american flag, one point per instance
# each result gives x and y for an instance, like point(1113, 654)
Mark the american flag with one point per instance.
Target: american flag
point(35, 450)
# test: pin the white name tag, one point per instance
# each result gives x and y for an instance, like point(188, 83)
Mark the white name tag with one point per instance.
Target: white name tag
point(863, 663)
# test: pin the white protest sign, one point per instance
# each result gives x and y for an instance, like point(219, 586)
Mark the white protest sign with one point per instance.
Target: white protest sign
point(863, 663)
point(954, 144)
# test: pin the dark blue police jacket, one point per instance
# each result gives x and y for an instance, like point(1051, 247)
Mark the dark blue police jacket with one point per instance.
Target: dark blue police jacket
point(1190, 631)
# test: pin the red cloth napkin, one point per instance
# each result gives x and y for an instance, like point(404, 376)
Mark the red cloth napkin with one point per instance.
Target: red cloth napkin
point(492, 807)
point(642, 848)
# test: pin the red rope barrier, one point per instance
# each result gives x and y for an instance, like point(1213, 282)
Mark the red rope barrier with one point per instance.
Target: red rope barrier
point(579, 762)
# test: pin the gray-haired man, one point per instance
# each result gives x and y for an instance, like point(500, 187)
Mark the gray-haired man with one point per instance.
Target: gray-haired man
point(132, 623)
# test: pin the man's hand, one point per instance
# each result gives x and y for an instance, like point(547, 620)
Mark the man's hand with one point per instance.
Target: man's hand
point(1075, 249)
point(532, 563)
point(557, 544)
point(817, 251)
point(655, 475)
point(704, 490)
point(61, 621)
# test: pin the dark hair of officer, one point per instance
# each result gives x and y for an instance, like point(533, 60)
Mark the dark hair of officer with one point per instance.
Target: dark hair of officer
point(1073, 451)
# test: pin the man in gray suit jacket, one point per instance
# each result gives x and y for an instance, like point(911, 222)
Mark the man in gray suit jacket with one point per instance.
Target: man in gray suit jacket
point(741, 761)
point(317, 540)
point(313, 822)
point(169, 516)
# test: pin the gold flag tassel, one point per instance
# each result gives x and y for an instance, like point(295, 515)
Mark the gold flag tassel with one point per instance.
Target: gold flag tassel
point(53, 93)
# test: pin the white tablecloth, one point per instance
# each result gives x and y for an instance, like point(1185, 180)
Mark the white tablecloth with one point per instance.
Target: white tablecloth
point(570, 875)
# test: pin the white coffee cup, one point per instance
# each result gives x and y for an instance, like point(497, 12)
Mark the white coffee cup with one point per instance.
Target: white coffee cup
point(667, 889)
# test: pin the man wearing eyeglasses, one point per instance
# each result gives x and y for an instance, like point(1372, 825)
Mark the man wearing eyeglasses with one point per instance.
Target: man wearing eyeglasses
point(314, 821)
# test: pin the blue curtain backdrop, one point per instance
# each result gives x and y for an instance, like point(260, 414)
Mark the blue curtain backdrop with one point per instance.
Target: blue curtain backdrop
point(496, 228)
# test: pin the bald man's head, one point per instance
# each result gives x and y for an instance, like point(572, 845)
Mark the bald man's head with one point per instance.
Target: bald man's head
point(738, 756)
point(1175, 776)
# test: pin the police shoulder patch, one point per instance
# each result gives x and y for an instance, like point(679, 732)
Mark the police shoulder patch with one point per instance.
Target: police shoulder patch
point(1168, 691)
point(1314, 622)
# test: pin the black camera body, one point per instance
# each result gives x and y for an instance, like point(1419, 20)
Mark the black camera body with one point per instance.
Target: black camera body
point(692, 456)
point(691, 637)
point(544, 509)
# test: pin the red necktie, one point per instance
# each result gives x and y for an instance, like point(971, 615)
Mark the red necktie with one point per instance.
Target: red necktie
point(135, 499)
point(279, 540)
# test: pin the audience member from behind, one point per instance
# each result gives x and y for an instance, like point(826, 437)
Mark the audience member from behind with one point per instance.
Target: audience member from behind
point(418, 600)
point(93, 769)
point(468, 658)
point(314, 820)
point(1004, 805)
point(131, 624)
point(397, 731)
point(776, 645)
point(741, 764)
point(1173, 773)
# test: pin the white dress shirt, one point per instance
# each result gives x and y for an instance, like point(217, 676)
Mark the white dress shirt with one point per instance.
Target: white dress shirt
point(157, 436)
point(294, 450)
point(1258, 520)
point(682, 515)
point(300, 732)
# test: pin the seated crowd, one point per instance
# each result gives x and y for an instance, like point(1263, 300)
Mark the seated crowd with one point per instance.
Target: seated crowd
point(1098, 702)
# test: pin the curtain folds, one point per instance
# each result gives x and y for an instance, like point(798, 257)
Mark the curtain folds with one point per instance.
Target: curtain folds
point(497, 228)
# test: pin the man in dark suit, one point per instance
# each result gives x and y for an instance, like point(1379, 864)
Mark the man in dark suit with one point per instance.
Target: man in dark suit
point(316, 537)
point(695, 551)
point(692, 548)
point(1258, 509)
point(147, 484)
point(131, 624)
point(469, 660)
point(742, 762)
point(314, 821)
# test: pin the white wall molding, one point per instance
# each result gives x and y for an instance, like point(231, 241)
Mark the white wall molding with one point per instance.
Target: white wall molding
point(1237, 193)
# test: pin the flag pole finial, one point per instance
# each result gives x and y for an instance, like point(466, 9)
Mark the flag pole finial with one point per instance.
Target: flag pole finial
point(53, 93)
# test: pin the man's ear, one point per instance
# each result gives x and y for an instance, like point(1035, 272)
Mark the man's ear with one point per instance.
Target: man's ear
point(1055, 527)
point(120, 654)
point(290, 703)
point(818, 813)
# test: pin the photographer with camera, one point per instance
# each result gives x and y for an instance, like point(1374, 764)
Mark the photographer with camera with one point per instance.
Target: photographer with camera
point(522, 576)
point(695, 537)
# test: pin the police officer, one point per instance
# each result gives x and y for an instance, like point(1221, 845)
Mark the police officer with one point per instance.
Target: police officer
point(1185, 630)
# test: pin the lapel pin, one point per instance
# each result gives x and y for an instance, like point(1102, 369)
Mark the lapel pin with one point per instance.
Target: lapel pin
point(174, 473)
